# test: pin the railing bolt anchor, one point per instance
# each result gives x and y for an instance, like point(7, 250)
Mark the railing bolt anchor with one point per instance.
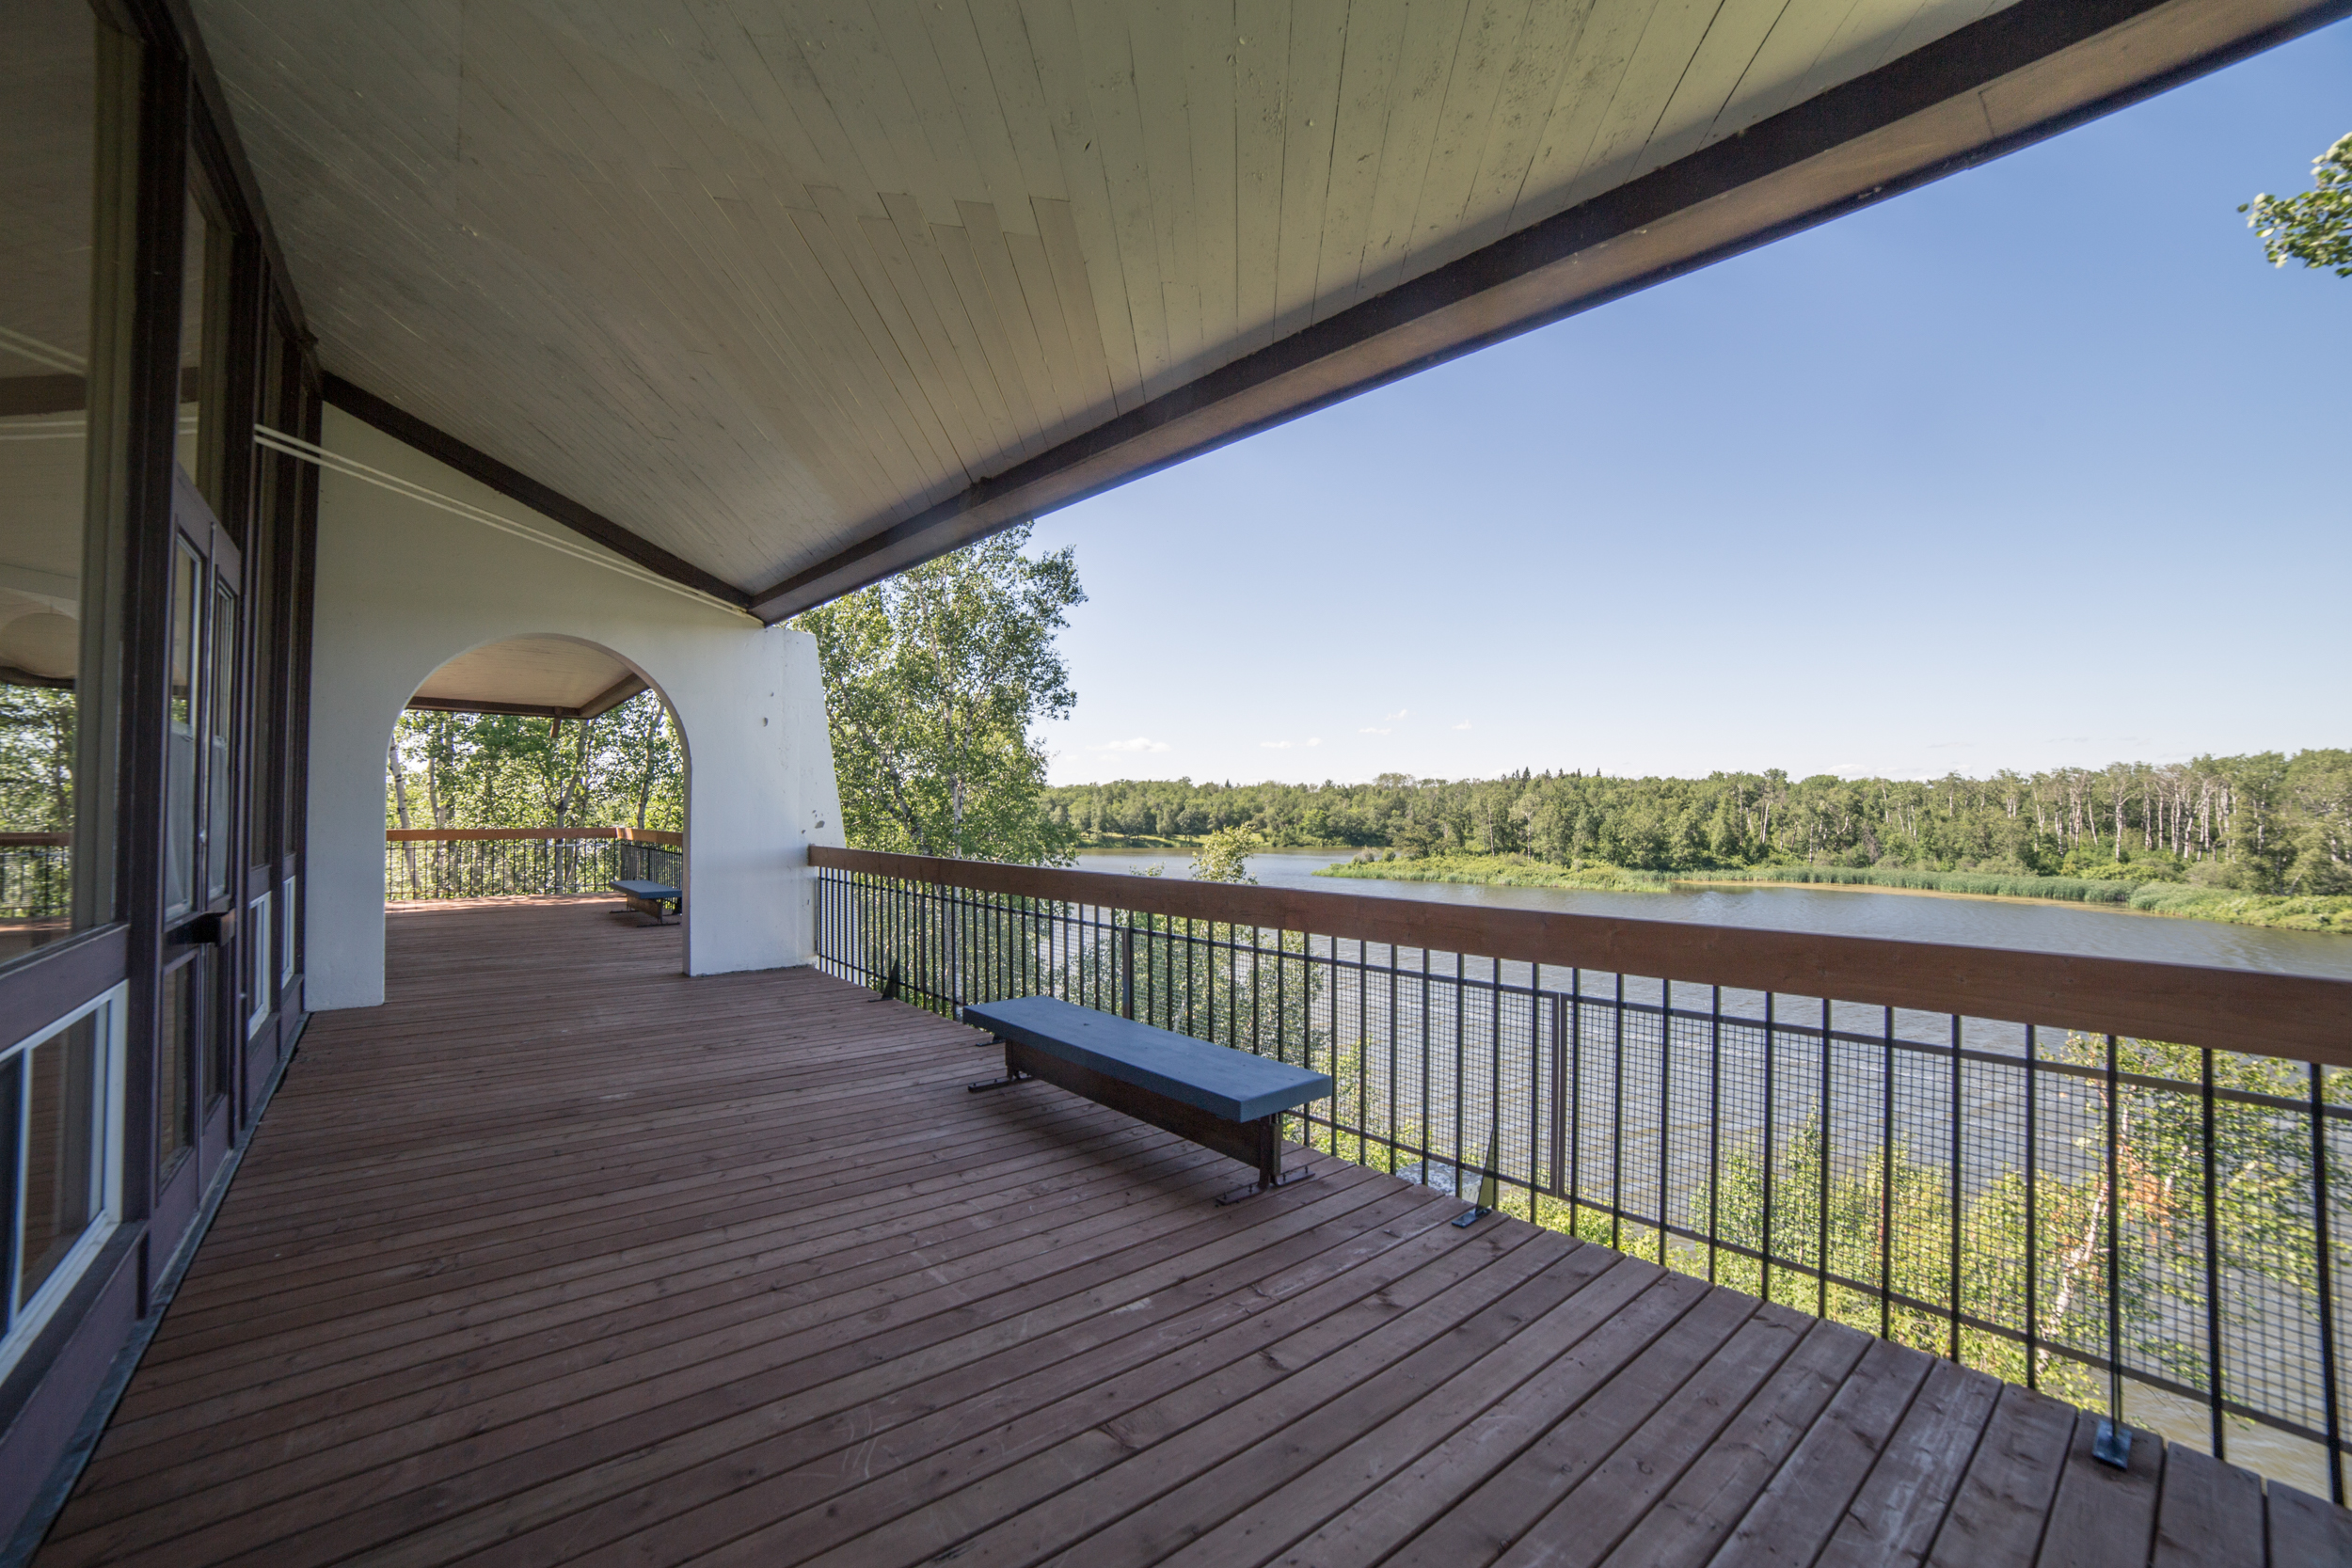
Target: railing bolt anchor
point(1489, 1190)
point(2113, 1446)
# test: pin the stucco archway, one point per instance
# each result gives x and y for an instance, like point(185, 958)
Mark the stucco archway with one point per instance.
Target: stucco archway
point(534, 685)
point(760, 787)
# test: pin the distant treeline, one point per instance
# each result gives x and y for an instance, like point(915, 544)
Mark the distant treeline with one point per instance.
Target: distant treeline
point(2266, 823)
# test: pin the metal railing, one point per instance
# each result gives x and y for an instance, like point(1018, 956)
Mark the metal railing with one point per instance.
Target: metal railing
point(36, 876)
point(505, 862)
point(2142, 1220)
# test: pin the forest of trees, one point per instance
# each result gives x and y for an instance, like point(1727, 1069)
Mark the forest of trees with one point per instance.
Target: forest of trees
point(622, 768)
point(2264, 823)
point(36, 759)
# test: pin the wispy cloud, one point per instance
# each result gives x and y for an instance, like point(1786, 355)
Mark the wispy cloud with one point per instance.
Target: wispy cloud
point(1369, 729)
point(1287, 745)
point(1463, 725)
point(1140, 743)
point(1393, 718)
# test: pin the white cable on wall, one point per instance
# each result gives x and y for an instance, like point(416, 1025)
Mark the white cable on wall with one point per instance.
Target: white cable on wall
point(293, 445)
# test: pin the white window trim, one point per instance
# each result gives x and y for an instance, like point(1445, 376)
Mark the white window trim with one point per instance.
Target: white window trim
point(285, 932)
point(106, 1177)
point(257, 936)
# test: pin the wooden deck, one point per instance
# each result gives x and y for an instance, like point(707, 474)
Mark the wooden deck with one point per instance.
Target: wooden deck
point(561, 1258)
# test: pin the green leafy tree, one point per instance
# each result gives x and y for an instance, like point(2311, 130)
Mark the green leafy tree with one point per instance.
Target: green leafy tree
point(934, 680)
point(1224, 856)
point(36, 759)
point(2315, 227)
point(645, 763)
point(2266, 822)
point(36, 796)
point(624, 767)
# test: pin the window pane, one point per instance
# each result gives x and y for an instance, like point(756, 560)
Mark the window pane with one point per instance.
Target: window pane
point(11, 1114)
point(180, 757)
point(193, 291)
point(59, 1150)
point(173, 1102)
point(262, 612)
point(47, 124)
point(221, 708)
point(259, 978)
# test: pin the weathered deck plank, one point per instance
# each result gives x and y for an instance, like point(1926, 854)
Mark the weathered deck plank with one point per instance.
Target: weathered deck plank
point(561, 1258)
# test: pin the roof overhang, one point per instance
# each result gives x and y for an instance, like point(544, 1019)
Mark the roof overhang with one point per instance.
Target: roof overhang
point(781, 309)
point(2016, 77)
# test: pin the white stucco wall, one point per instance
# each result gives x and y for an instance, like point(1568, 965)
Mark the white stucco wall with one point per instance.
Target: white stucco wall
point(404, 587)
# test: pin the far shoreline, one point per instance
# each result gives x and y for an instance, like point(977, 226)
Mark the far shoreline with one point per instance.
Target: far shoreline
point(2317, 914)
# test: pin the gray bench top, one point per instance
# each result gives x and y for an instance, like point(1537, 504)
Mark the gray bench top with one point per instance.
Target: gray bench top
point(646, 890)
point(1213, 1078)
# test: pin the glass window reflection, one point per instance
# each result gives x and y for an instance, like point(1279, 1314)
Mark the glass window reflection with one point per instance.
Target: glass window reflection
point(48, 125)
point(188, 603)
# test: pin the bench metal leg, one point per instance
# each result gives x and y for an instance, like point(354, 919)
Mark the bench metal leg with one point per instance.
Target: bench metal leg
point(1013, 1075)
point(1267, 1134)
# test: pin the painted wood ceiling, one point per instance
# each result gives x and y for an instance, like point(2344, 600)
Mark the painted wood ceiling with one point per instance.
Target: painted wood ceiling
point(550, 673)
point(757, 279)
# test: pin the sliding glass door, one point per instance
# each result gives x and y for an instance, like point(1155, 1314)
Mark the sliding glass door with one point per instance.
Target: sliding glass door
point(198, 1020)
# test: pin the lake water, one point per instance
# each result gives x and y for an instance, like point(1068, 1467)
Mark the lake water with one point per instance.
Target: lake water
point(2029, 924)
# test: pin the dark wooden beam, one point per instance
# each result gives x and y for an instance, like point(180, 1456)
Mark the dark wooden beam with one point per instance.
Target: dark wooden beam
point(602, 703)
point(61, 393)
point(471, 704)
point(68, 393)
point(2015, 77)
point(612, 696)
point(515, 485)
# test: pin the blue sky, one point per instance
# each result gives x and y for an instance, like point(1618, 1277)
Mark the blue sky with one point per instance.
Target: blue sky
point(2039, 465)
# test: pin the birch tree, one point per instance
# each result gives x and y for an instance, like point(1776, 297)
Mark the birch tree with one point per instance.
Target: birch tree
point(935, 681)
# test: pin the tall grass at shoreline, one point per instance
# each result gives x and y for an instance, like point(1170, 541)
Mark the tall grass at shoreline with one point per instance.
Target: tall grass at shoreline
point(2310, 912)
point(1986, 884)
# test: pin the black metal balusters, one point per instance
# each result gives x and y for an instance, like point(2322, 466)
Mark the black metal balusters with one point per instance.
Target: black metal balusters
point(2110, 1243)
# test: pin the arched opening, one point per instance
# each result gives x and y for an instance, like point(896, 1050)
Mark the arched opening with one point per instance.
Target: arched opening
point(537, 767)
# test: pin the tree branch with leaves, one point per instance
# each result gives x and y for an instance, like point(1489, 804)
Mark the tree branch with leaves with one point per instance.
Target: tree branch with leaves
point(934, 682)
point(2315, 227)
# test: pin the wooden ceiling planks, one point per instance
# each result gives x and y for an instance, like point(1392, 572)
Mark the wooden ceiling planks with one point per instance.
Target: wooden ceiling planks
point(1417, 100)
point(1104, 61)
point(1151, 43)
point(553, 673)
point(761, 278)
point(1209, 92)
point(1525, 99)
point(1490, 46)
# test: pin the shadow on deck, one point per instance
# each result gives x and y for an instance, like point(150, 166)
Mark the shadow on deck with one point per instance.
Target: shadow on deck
point(559, 1257)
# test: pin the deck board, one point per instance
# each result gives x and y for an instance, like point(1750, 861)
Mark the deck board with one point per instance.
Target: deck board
point(561, 1258)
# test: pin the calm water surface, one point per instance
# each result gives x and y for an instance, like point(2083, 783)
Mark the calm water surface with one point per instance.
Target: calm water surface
point(2030, 924)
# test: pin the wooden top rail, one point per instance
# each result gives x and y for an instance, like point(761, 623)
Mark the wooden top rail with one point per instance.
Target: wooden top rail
point(24, 840)
point(471, 836)
point(2300, 1017)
